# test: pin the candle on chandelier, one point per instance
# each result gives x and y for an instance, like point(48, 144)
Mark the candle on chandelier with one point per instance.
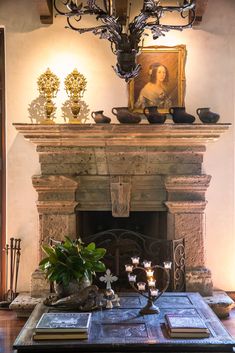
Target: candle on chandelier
point(149, 273)
point(147, 264)
point(135, 260)
point(154, 292)
point(132, 278)
point(128, 268)
point(151, 282)
point(167, 265)
point(141, 285)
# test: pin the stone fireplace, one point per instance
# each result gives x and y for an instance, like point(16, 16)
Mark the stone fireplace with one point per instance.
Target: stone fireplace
point(123, 169)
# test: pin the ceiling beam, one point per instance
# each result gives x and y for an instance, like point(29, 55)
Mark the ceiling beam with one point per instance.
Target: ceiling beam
point(121, 7)
point(45, 9)
point(199, 11)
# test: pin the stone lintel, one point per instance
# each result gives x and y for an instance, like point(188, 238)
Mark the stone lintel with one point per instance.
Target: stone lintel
point(186, 206)
point(60, 183)
point(194, 183)
point(56, 207)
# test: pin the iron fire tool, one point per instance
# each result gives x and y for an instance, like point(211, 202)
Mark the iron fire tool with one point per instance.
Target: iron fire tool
point(12, 270)
point(18, 253)
point(4, 304)
point(12, 265)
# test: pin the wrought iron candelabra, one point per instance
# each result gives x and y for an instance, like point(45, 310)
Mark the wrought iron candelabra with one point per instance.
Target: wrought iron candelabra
point(148, 289)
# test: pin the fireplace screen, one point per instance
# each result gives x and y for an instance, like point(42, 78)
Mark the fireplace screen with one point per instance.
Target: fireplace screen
point(144, 235)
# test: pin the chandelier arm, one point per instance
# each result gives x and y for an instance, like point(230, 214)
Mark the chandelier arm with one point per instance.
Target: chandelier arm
point(112, 36)
point(168, 27)
point(59, 11)
point(91, 4)
point(186, 7)
point(106, 5)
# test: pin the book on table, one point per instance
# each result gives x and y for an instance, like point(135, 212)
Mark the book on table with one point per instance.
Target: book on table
point(188, 334)
point(43, 336)
point(191, 326)
point(63, 323)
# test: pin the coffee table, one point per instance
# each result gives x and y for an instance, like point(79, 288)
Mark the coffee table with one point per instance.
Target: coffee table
point(124, 330)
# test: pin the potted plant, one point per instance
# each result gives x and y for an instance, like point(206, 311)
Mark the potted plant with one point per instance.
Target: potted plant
point(71, 264)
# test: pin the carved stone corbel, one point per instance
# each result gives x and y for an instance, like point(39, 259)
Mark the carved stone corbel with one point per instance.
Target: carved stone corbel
point(120, 189)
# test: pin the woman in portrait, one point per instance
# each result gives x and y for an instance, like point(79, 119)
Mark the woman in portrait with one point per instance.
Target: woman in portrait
point(154, 93)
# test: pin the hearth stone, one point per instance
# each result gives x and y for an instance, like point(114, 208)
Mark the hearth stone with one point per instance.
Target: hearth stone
point(24, 304)
point(199, 280)
point(220, 303)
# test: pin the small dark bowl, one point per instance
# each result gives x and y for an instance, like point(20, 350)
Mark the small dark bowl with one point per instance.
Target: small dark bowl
point(209, 119)
point(184, 119)
point(157, 119)
point(102, 120)
point(124, 119)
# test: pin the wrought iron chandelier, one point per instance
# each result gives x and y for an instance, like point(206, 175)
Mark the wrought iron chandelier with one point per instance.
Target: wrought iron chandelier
point(125, 40)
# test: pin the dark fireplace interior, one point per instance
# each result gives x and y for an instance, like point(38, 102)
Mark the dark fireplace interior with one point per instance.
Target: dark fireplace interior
point(142, 234)
point(152, 224)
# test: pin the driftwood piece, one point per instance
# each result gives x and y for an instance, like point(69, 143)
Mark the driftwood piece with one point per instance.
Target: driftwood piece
point(85, 300)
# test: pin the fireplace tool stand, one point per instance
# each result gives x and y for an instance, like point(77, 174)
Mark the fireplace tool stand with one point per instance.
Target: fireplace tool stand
point(12, 263)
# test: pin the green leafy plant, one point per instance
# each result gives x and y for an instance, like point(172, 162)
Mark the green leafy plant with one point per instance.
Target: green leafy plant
point(72, 260)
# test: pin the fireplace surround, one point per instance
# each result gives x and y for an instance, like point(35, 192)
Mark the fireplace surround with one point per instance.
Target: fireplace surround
point(124, 168)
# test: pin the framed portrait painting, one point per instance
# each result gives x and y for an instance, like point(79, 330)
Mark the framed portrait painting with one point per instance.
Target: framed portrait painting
point(161, 82)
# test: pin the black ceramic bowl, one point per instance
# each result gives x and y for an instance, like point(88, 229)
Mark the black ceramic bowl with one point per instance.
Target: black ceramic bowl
point(209, 119)
point(124, 119)
point(102, 120)
point(157, 119)
point(184, 120)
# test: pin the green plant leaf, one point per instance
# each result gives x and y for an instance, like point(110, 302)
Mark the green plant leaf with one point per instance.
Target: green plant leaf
point(90, 246)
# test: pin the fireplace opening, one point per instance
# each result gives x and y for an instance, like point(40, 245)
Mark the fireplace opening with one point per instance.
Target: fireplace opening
point(152, 224)
point(143, 234)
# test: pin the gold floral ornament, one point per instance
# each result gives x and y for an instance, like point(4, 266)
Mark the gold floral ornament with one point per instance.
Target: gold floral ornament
point(48, 86)
point(75, 85)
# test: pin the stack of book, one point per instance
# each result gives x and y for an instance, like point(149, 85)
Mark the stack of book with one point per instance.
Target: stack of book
point(186, 326)
point(62, 326)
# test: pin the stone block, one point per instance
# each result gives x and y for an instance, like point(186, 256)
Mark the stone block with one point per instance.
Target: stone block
point(24, 304)
point(39, 285)
point(199, 280)
point(220, 303)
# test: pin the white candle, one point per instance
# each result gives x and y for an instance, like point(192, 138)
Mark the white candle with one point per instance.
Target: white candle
point(149, 273)
point(141, 285)
point(154, 292)
point(147, 264)
point(135, 260)
point(128, 268)
point(151, 282)
point(167, 264)
point(132, 278)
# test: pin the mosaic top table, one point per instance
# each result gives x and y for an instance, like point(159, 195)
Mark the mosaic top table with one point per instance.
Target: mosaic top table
point(124, 330)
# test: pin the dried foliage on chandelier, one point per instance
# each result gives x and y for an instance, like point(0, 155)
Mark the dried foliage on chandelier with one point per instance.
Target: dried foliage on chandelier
point(125, 40)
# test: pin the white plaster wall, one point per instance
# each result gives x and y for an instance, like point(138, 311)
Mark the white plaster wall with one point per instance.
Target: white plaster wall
point(32, 47)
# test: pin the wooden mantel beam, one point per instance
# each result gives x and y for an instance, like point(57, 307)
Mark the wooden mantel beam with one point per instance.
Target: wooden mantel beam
point(199, 10)
point(121, 7)
point(45, 9)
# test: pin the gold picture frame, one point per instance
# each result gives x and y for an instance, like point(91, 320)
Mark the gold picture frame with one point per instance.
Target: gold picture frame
point(161, 81)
